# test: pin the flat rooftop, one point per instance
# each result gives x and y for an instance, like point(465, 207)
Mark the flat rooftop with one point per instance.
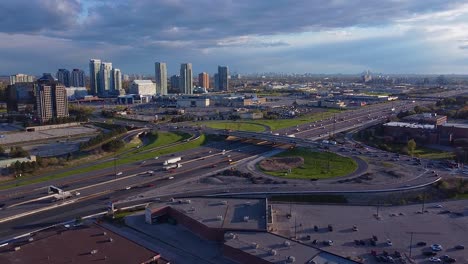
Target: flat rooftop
point(263, 244)
point(83, 244)
point(409, 125)
point(23, 136)
point(224, 213)
point(457, 125)
point(277, 249)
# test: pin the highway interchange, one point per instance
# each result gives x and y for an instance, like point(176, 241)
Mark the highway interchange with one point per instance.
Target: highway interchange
point(93, 191)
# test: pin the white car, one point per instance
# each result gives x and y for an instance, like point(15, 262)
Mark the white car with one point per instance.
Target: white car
point(389, 242)
point(156, 157)
point(170, 178)
point(119, 173)
point(436, 247)
point(438, 206)
point(435, 259)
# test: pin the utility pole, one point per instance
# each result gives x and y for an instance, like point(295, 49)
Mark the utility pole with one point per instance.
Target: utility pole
point(423, 202)
point(418, 233)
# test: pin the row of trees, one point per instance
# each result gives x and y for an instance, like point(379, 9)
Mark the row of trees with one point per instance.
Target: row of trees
point(15, 152)
point(103, 137)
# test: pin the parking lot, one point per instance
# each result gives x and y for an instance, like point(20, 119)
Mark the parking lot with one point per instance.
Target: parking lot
point(21, 137)
point(445, 224)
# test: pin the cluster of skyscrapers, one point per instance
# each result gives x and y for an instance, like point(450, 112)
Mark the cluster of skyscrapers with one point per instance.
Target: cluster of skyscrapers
point(104, 80)
point(184, 81)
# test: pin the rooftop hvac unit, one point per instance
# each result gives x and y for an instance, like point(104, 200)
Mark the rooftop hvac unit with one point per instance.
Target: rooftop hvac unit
point(273, 252)
point(286, 243)
point(188, 201)
point(246, 218)
point(254, 245)
point(219, 218)
point(291, 259)
point(94, 251)
point(229, 236)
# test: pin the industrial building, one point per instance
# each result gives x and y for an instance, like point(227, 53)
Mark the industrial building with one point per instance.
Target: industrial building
point(242, 226)
point(80, 243)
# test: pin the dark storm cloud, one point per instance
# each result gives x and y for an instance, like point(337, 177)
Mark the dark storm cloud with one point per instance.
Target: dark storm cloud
point(206, 20)
point(31, 16)
point(202, 21)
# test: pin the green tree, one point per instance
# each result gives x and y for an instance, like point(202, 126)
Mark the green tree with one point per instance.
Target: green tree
point(411, 145)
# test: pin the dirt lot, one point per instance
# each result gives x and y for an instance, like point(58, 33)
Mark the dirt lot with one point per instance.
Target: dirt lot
point(280, 164)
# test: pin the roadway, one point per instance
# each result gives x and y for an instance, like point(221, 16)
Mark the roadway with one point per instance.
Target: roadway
point(99, 187)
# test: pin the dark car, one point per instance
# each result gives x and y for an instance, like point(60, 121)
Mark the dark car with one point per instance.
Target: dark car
point(429, 253)
point(459, 247)
point(421, 244)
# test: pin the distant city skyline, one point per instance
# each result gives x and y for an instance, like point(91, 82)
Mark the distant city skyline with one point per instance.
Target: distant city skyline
point(415, 37)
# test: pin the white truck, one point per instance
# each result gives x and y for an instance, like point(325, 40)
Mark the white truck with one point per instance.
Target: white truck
point(172, 161)
point(62, 196)
point(172, 166)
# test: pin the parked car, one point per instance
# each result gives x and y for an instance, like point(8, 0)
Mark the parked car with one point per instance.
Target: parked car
point(436, 247)
point(459, 247)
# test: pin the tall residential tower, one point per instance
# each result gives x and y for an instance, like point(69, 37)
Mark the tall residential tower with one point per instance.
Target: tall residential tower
point(204, 80)
point(186, 78)
point(77, 78)
point(160, 74)
point(105, 76)
point(223, 78)
point(94, 81)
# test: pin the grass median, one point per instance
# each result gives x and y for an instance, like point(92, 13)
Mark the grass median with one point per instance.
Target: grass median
point(234, 125)
point(317, 165)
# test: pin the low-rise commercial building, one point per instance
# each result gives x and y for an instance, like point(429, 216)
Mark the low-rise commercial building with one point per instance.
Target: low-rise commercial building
point(193, 101)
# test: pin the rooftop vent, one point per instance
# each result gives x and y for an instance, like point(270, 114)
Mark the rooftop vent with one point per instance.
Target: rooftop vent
point(286, 243)
point(228, 236)
point(219, 218)
point(291, 259)
point(246, 218)
point(254, 245)
point(94, 251)
point(273, 252)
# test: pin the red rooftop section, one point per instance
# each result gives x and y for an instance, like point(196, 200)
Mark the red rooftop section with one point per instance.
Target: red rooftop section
point(77, 244)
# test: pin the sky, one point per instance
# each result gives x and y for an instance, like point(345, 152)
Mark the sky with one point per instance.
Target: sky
point(249, 36)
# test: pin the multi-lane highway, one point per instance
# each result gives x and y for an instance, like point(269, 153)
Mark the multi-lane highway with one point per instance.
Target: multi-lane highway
point(91, 191)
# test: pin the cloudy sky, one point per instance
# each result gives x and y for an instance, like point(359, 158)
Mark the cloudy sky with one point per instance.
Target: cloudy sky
point(316, 36)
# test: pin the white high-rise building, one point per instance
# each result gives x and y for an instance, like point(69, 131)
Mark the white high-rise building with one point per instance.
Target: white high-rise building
point(94, 72)
point(117, 80)
point(21, 78)
point(160, 74)
point(106, 79)
point(186, 78)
